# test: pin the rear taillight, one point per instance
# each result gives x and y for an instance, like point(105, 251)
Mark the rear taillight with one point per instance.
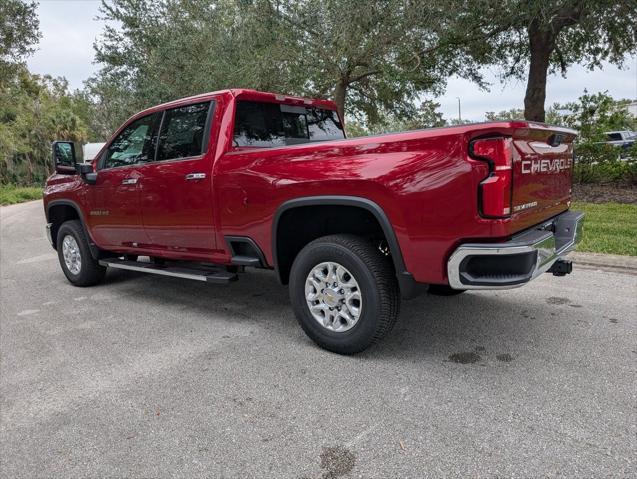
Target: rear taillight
point(496, 189)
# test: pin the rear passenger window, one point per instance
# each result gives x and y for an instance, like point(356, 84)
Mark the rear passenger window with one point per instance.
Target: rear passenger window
point(183, 132)
point(273, 124)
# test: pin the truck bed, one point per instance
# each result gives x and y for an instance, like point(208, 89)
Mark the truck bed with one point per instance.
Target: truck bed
point(425, 181)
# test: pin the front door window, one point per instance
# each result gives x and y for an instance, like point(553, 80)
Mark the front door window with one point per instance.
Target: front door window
point(134, 145)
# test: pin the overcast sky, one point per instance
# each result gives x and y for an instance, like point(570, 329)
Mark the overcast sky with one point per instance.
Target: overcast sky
point(69, 29)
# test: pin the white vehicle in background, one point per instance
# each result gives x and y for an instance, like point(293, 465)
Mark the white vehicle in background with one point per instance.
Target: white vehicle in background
point(90, 151)
point(623, 139)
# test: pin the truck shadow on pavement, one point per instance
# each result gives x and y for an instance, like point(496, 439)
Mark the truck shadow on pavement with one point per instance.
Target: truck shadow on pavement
point(463, 329)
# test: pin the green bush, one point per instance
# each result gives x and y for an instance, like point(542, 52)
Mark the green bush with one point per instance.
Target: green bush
point(601, 163)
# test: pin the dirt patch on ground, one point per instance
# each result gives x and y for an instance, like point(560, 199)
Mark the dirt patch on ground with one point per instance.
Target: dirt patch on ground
point(337, 461)
point(468, 357)
point(557, 300)
point(605, 194)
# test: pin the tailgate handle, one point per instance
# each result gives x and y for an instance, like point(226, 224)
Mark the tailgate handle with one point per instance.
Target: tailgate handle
point(195, 176)
point(129, 181)
point(555, 139)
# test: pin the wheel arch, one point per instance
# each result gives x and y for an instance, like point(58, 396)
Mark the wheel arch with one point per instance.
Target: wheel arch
point(59, 211)
point(282, 265)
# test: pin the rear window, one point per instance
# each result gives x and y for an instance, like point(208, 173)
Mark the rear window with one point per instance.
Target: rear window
point(614, 136)
point(266, 125)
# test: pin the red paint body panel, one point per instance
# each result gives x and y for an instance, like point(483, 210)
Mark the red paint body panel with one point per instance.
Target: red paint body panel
point(177, 214)
point(425, 181)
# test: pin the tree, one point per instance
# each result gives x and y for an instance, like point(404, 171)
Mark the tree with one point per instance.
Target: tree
point(18, 34)
point(505, 115)
point(161, 50)
point(370, 56)
point(553, 115)
point(426, 116)
point(595, 114)
point(40, 110)
point(531, 39)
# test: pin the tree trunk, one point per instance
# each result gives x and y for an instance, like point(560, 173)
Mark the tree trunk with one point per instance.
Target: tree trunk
point(29, 170)
point(340, 94)
point(541, 44)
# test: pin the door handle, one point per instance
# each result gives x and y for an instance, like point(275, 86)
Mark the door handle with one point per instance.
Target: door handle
point(195, 176)
point(129, 181)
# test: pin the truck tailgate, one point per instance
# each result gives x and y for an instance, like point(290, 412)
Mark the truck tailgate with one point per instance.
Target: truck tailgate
point(542, 174)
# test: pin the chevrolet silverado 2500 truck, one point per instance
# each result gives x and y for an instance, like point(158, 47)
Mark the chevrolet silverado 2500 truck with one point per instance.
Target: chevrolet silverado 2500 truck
point(202, 187)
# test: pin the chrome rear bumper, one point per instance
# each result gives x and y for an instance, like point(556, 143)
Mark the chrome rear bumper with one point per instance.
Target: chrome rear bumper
point(516, 262)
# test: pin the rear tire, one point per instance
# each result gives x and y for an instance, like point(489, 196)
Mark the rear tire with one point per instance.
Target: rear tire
point(75, 256)
point(328, 275)
point(444, 290)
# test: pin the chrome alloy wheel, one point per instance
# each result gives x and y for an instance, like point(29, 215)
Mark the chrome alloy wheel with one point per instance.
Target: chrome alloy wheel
point(72, 255)
point(333, 296)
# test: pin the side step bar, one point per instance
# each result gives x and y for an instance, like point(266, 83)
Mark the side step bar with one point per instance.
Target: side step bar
point(210, 274)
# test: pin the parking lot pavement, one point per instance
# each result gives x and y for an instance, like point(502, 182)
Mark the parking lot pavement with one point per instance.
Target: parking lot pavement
point(155, 377)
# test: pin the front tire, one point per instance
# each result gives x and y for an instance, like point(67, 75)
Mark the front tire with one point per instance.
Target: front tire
point(344, 293)
point(75, 256)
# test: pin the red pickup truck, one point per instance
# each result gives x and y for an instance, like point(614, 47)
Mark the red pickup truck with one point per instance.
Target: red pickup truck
point(203, 187)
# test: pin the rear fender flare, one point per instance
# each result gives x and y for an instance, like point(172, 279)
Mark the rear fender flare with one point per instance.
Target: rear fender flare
point(408, 286)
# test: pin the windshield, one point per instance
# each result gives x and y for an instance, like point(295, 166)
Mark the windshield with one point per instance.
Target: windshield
point(267, 125)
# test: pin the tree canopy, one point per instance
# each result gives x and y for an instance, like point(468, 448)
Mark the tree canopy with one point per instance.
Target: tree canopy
point(530, 39)
point(34, 111)
point(370, 56)
point(19, 32)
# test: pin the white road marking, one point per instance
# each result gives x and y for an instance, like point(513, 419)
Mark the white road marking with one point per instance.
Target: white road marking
point(361, 435)
point(39, 258)
point(27, 312)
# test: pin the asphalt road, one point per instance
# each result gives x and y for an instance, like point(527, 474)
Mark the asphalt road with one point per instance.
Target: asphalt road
point(144, 376)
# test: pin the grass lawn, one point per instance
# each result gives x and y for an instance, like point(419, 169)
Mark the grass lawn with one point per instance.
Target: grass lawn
point(10, 194)
point(609, 228)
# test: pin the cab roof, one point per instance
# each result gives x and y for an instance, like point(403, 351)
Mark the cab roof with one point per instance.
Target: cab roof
point(244, 94)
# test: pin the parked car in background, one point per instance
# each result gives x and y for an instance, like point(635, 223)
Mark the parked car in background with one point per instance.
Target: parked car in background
point(203, 187)
point(623, 139)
